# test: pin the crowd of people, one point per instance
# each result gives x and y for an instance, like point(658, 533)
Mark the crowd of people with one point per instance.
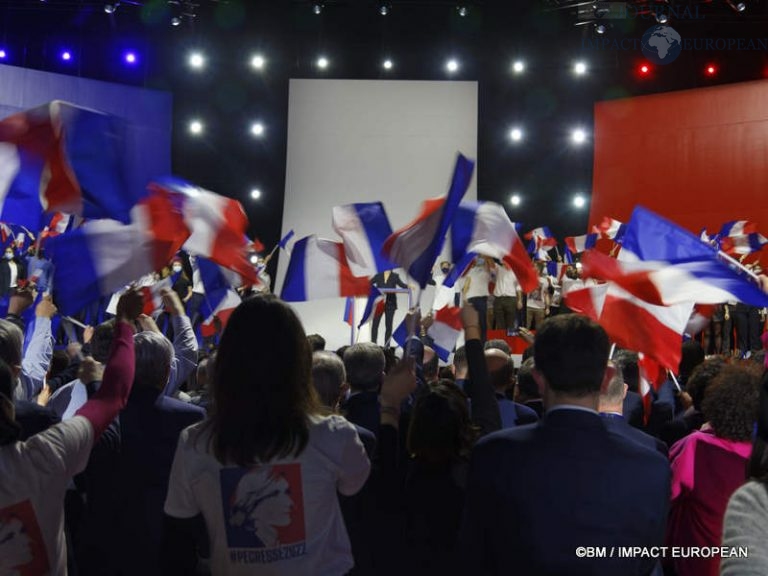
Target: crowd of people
point(139, 451)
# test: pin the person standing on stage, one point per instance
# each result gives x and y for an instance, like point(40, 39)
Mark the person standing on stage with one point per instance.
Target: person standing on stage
point(386, 280)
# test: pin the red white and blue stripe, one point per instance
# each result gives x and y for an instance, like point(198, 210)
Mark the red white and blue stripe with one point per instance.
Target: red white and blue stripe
point(444, 331)
point(363, 227)
point(611, 229)
point(540, 239)
point(417, 246)
point(318, 269)
point(578, 244)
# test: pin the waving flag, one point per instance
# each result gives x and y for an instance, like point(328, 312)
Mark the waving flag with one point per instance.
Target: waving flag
point(60, 157)
point(220, 297)
point(632, 323)
point(363, 228)
point(484, 228)
point(416, 246)
point(216, 224)
point(651, 375)
point(371, 306)
point(445, 331)
point(662, 263)
point(349, 311)
point(577, 244)
point(102, 256)
point(738, 228)
point(285, 239)
point(611, 229)
point(540, 238)
point(743, 244)
point(319, 269)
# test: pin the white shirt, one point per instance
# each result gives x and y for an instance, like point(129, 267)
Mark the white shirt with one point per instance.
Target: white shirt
point(14, 273)
point(282, 517)
point(34, 476)
point(478, 277)
point(536, 299)
point(506, 282)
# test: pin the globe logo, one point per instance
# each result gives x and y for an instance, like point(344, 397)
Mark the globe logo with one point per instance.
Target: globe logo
point(661, 44)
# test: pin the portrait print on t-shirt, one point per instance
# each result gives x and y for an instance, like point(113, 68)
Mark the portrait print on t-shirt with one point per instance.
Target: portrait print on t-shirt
point(22, 550)
point(263, 513)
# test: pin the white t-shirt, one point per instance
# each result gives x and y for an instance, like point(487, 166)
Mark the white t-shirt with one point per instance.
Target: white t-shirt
point(14, 274)
point(34, 477)
point(506, 282)
point(478, 277)
point(282, 517)
point(536, 299)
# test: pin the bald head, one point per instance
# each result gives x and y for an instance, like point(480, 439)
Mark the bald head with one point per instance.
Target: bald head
point(500, 369)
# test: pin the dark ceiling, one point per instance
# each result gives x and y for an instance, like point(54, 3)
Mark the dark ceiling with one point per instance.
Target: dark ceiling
point(547, 100)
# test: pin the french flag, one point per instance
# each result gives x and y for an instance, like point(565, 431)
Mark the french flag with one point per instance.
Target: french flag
point(738, 228)
point(349, 311)
point(372, 306)
point(540, 238)
point(484, 228)
point(220, 298)
point(60, 157)
point(662, 263)
point(363, 228)
point(743, 244)
point(416, 246)
point(632, 323)
point(445, 331)
point(318, 269)
point(578, 244)
point(216, 224)
point(285, 239)
point(102, 256)
point(611, 229)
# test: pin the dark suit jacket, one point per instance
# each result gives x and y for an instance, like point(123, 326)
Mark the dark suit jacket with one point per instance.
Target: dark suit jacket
point(393, 281)
point(5, 275)
point(618, 425)
point(362, 409)
point(633, 409)
point(537, 493)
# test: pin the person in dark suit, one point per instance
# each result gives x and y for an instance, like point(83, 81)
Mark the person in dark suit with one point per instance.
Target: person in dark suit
point(364, 363)
point(12, 270)
point(500, 374)
point(391, 280)
point(526, 390)
point(126, 492)
point(611, 406)
point(536, 494)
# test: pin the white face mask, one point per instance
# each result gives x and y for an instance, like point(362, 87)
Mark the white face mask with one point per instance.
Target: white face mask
point(8, 256)
point(176, 269)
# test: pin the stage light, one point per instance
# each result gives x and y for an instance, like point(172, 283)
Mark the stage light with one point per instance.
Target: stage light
point(196, 127)
point(175, 21)
point(130, 58)
point(317, 8)
point(515, 199)
point(578, 136)
point(257, 62)
point(3, 54)
point(462, 10)
point(516, 134)
point(387, 64)
point(383, 8)
point(600, 29)
point(736, 6)
point(518, 66)
point(254, 259)
point(255, 193)
point(257, 129)
point(197, 60)
point(662, 18)
point(66, 55)
point(710, 70)
point(322, 62)
point(579, 201)
point(452, 65)
point(110, 8)
point(580, 68)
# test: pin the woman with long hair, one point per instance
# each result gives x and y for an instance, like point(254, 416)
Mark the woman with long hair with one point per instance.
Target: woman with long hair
point(264, 469)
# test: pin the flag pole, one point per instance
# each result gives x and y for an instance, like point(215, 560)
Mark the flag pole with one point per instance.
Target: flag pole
point(613, 349)
point(672, 376)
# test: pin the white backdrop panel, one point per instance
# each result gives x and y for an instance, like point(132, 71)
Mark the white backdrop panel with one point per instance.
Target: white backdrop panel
point(366, 140)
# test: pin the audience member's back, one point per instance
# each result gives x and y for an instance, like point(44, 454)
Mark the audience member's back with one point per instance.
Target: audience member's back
point(364, 363)
point(538, 493)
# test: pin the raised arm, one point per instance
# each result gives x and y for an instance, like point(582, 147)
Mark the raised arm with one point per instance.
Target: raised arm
point(184, 343)
point(485, 407)
point(111, 397)
point(37, 357)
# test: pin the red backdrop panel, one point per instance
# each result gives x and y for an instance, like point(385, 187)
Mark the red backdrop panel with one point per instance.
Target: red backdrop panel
point(698, 157)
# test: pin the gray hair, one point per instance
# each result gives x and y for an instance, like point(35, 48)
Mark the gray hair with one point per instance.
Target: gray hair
point(328, 376)
point(364, 363)
point(11, 343)
point(154, 353)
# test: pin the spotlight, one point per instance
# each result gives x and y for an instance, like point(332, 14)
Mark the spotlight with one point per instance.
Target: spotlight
point(255, 193)
point(515, 200)
point(254, 259)
point(600, 29)
point(257, 62)
point(387, 64)
point(196, 127)
point(384, 8)
point(175, 21)
point(518, 66)
point(257, 129)
point(110, 8)
point(580, 68)
point(3, 54)
point(66, 55)
point(452, 65)
point(644, 69)
point(579, 201)
point(130, 58)
point(317, 8)
point(736, 6)
point(578, 136)
point(322, 62)
point(710, 70)
point(516, 134)
point(462, 10)
point(662, 18)
point(197, 60)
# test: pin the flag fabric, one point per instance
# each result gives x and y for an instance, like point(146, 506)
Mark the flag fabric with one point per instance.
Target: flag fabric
point(417, 246)
point(285, 239)
point(578, 244)
point(103, 256)
point(445, 331)
point(216, 224)
point(700, 317)
point(737, 228)
point(61, 157)
point(743, 244)
point(484, 228)
point(662, 263)
point(363, 228)
point(375, 297)
point(554, 269)
point(319, 269)
point(349, 311)
point(611, 229)
point(540, 238)
point(651, 375)
point(632, 323)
